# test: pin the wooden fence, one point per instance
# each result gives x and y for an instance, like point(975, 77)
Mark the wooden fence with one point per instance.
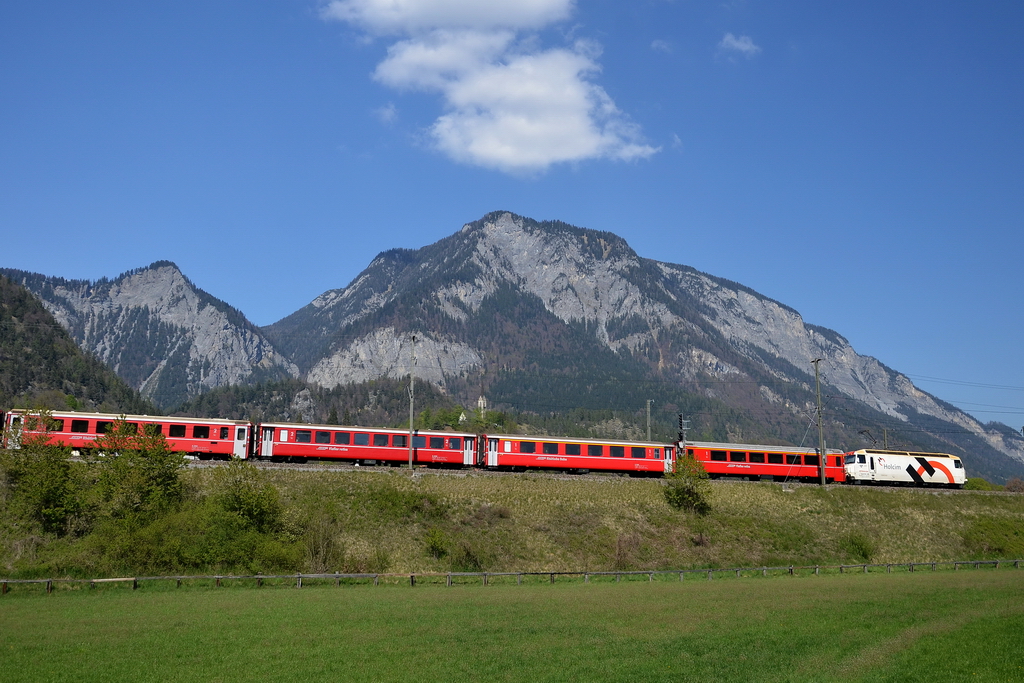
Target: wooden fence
point(485, 578)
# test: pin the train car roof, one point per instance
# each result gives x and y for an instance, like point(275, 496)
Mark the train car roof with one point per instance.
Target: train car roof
point(757, 448)
point(572, 439)
point(356, 428)
point(113, 417)
point(913, 454)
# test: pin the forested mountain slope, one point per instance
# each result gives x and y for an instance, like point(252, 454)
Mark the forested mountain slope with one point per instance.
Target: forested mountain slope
point(41, 366)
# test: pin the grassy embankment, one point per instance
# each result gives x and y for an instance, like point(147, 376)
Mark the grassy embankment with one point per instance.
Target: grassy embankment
point(381, 522)
point(924, 626)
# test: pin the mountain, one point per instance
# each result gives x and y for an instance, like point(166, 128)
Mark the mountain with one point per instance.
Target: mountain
point(40, 364)
point(159, 332)
point(548, 316)
point(542, 318)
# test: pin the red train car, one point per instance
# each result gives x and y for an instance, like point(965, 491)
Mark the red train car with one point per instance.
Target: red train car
point(297, 442)
point(505, 451)
point(777, 463)
point(203, 438)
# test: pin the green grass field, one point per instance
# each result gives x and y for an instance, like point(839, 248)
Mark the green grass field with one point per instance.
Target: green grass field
point(924, 626)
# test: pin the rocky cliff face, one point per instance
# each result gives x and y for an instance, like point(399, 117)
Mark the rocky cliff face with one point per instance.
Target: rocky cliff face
point(167, 338)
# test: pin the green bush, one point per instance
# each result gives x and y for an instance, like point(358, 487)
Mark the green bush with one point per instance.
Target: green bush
point(242, 488)
point(979, 484)
point(687, 487)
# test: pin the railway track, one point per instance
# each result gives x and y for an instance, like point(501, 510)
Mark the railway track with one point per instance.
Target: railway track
point(610, 477)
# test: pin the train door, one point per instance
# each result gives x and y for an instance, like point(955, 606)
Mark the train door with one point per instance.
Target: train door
point(267, 449)
point(492, 452)
point(670, 457)
point(239, 450)
point(469, 451)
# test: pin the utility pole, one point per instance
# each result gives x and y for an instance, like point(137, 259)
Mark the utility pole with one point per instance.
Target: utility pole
point(885, 438)
point(821, 432)
point(412, 393)
point(649, 402)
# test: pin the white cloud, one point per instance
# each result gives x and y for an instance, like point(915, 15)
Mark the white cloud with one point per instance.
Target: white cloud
point(510, 105)
point(387, 114)
point(388, 17)
point(661, 46)
point(743, 44)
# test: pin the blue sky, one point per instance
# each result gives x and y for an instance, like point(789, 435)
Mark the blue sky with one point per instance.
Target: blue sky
point(860, 162)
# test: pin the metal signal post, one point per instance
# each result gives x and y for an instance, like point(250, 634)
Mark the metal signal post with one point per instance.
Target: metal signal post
point(821, 432)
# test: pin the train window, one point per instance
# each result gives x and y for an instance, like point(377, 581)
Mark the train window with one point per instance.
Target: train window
point(850, 459)
point(737, 457)
point(130, 428)
point(56, 425)
point(549, 448)
point(240, 435)
point(657, 453)
point(284, 435)
point(341, 438)
point(957, 464)
point(595, 450)
point(80, 426)
point(617, 451)
point(839, 461)
point(361, 439)
point(861, 458)
point(757, 457)
point(224, 432)
point(323, 437)
point(201, 432)
point(718, 456)
point(811, 460)
point(102, 427)
point(527, 447)
point(153, 430)
point(176, 431)
point(400, 441)
point(775, 458)
point(419, 442)
point(792, 459)
point(637, 452)
point(437, 442)
point(380, 439)
point(572, 449)
point(455, 443)
point(303, 435)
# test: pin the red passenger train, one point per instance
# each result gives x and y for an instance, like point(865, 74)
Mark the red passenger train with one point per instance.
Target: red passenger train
point(518, 453)
point(281, 441)
point(285, 441)
point(200, 437)
point(774, 463)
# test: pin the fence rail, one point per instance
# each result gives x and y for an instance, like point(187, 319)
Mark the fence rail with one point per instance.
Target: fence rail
point(485, 577)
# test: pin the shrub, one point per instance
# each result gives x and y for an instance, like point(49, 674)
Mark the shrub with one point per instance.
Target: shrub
point(243, 489)
point(687, 487)
point(1015, 485)
point(40, 480)
point(979, 484)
